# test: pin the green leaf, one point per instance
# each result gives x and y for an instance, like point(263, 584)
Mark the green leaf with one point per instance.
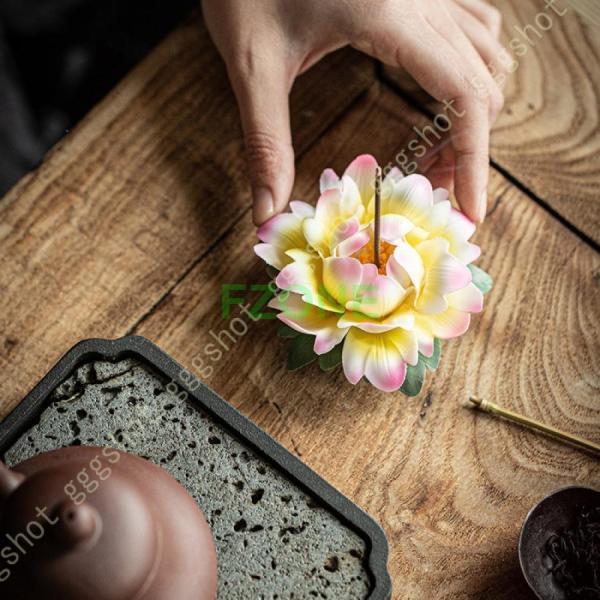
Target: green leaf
point(481, 280)
point(285, 331)
point(300, 352)
point(432, 362)
point(331, 359)
point(415, 376)
point(272, 272)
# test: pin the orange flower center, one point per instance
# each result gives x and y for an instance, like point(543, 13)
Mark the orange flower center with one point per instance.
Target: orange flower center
point(366, 254)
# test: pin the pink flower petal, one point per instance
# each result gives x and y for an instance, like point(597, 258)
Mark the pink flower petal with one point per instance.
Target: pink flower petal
point(302, 209)
point(294, 274)
point(309, 319)
point(315, 235)
point(393, 176)
point(426, 344)
point(351, 198)
point(407, 262)
point(394, 228)
point(412, 198)
point(378, 297)
point(443, 274)
point(271, 255)
point(394, 270)
point(449, 324)
point(353, 244)
point(425, 340)
point(451, 274)
point(345, 230)
point(354, 356)
point(467, 252)
point(362, 171)
point(329, 180)
point(402, 317)
point(457, 229)
point(283, 230)
point(459, 226)
point(342, 277)
point(369, 274)
point(438, 217)
point(385, 371)
point(335, 209)
point(328, 338)
point(440, 195)
point(328, 205)
point(305, 278)
point(381, 358)
point(468, 299)
point(406, 343)
point(431, 303)
point(292, 305)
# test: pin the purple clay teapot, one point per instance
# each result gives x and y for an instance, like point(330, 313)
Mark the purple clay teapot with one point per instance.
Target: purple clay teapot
point(87, 523)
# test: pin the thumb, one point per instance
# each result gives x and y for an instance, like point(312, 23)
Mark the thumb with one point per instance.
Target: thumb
point(262, 92)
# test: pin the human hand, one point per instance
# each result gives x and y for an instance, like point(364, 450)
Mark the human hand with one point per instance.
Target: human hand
point(444, 45)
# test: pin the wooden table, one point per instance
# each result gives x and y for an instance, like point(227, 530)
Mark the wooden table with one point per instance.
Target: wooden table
point(136, 219)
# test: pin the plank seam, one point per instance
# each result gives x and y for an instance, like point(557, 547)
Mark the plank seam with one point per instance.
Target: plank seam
point(393, 87)
point(133, 328)
point(185, 273)
point(547, 207)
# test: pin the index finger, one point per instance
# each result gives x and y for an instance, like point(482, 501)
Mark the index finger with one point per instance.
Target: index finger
point(442, 72)
point(470, 139)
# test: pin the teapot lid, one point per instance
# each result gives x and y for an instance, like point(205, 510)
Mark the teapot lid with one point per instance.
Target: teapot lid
point(75, 535)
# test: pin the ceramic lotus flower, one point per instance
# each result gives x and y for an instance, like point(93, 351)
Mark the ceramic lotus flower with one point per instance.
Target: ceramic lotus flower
point(381, 322)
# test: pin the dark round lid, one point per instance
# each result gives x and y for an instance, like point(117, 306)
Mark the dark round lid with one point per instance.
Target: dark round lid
point(74, 539)
point(555, 513)
point(86, 523)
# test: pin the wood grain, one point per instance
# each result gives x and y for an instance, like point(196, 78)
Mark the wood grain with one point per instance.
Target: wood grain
point(124, 206)
point(136, 220)
point(451, 487)
point(548, 135)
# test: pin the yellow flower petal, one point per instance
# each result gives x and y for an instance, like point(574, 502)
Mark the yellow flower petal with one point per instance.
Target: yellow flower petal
point(381, 358)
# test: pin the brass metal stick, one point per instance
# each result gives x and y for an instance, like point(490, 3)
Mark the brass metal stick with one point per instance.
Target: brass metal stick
point(377, 234)
point(494, 409)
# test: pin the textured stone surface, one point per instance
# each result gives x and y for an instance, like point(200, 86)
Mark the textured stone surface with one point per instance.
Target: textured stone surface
point(273, 541)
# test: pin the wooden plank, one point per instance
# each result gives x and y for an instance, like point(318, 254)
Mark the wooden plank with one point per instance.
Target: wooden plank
point(548, 135)
point(449, 486)
point(125, 204)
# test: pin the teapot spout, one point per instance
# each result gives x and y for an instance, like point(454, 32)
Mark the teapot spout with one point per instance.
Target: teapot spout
point(9, 481)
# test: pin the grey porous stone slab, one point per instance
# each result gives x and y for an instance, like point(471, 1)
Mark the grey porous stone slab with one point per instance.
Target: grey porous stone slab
point(273, 540)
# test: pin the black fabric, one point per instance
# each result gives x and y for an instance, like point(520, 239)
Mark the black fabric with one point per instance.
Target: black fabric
point(60, 57)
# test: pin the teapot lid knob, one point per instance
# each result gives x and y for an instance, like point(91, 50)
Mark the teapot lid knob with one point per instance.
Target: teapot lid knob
point(77, 524)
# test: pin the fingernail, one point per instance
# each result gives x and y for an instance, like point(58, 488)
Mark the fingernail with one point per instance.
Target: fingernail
point(263, 205)
point(482, 206)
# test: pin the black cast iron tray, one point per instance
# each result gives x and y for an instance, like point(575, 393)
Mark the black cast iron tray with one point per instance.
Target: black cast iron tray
point(29, 410)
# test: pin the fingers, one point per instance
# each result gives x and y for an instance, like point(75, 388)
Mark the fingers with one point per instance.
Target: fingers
point(488, 15)
point(492, 52)
point(470, 140)
point(262, 90)
point(441, 172)
point(440, 70)
point(252, 45)
point(478, 72)
point(470, 133)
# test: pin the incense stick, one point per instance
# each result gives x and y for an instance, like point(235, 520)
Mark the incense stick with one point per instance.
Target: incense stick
point(494, 409)
point(377, 234)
